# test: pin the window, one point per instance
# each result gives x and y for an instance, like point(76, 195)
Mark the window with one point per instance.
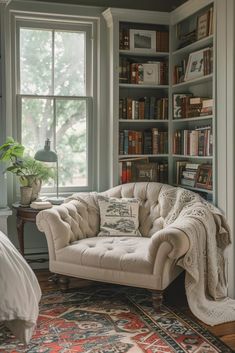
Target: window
point(54, 84)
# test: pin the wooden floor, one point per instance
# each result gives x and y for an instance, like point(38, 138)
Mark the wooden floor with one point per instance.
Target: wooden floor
point(226, 332)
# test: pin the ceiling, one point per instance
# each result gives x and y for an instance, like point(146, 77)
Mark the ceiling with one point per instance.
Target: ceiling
point(154, 5)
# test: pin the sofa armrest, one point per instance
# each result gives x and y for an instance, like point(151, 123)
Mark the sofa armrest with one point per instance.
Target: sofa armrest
point(57, 232)
point(67, 223)
point(168, 243)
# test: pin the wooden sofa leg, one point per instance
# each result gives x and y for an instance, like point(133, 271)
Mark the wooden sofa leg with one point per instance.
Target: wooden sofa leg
point(63, 283)
point(157, 298)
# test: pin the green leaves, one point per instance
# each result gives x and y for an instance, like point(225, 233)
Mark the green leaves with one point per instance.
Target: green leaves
point(11, 149)
point(26, 168)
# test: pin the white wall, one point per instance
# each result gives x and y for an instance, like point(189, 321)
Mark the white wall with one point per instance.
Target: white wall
point(225, 123)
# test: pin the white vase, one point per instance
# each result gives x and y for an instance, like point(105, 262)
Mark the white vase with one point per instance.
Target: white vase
point(25, 195)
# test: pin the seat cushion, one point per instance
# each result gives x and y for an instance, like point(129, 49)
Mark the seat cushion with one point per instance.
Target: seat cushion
point(117, 253)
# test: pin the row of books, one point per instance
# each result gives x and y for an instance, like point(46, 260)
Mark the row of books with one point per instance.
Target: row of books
point(150, 141)
point(162, 39)
point(203, 28)
point(187, 106)
point(134, 171)
point(151, 72)
point(194, 175)
point(198, 64)
point(143, 108)
point(196, 142)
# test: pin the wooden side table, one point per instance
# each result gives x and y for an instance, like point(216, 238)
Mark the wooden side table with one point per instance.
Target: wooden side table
point(24, 215)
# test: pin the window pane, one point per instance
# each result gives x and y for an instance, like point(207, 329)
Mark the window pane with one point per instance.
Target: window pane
point(35, 61)
point(70, 63)
point(37, 123)
point(71, 137)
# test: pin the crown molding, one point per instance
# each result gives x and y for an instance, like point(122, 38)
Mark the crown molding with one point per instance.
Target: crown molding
point(130, 15)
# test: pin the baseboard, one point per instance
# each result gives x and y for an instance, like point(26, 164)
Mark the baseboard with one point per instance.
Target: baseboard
point(37, 258)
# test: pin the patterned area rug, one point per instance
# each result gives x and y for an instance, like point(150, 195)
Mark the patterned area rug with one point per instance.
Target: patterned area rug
point(111, 319)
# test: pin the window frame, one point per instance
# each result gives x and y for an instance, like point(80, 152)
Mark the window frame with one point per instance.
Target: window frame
point(90, 59)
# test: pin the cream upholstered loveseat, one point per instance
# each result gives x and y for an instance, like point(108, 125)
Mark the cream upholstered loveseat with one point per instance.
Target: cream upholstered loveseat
point(149, 261)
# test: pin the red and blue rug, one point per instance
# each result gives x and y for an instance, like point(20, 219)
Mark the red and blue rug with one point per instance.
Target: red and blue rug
point(111, 319)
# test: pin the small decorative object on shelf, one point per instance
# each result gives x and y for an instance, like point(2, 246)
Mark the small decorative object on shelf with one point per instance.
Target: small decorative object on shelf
point(152, 172)
point(149, 72)
point(205, 24)
point(204, 177)
point(142, 40)
point(140, 169)
point(199, 64)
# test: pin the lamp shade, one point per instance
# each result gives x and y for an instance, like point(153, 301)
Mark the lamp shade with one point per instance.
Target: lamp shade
point(46, 155)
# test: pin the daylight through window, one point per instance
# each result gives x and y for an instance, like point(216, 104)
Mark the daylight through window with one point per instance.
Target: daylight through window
point(55, 97)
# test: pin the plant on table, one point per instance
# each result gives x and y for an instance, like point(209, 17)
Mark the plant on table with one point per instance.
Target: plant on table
point(30, 172)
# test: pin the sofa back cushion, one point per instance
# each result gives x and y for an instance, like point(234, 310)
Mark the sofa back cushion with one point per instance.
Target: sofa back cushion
point(152, 208)
point(118, 216)
point(151, 213)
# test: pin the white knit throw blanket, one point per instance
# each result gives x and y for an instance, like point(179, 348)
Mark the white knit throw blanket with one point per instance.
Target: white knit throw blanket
point(204, 263)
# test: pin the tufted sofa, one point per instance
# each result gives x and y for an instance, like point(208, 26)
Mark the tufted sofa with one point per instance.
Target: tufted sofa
point(149, 261)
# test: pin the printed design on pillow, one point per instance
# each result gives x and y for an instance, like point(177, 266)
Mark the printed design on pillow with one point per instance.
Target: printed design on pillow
point(119, 217)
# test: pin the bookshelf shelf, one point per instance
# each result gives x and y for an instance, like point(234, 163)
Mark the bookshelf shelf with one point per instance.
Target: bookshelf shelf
point(190, 83)
point(198, 118)
point(143, 121)
point(143, 54)
point(191, 157)
point(202, 43)
point(140, 86)
point(143, 155)
point(195, 189)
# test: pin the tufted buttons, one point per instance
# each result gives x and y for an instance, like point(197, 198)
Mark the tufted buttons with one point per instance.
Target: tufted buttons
point(109, 249)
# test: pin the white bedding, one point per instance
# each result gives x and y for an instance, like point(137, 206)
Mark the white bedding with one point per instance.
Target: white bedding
point(19, 292)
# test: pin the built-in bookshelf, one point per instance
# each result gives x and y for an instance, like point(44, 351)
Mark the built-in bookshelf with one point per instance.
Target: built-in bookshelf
point(193, 116)
point(162, 104)
point(140, 112)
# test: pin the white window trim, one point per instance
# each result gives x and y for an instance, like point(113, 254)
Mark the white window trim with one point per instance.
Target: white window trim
point(75, 21)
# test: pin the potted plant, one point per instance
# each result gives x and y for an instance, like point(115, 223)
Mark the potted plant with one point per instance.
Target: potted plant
point(30, 172)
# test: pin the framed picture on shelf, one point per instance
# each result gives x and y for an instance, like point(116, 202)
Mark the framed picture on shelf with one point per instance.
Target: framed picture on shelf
point(142, 40)
point(178, 104)
point(202, 25)
point(195, 65)
point(204, 177)
point(146, 172)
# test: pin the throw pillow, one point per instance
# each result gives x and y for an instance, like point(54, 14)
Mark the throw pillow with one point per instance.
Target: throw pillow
point(118, 217)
